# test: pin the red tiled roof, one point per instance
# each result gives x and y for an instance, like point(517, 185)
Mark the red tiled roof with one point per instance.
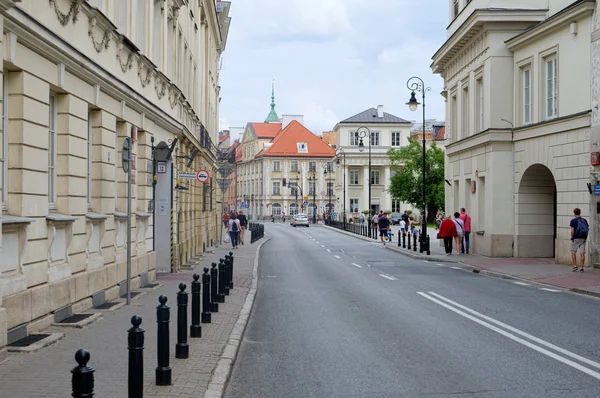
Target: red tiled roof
point(286, 143)
point(266, 130)
point(238, 153)
point(441, 135)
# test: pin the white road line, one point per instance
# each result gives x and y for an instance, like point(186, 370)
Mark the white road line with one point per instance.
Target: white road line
point(322, 245)
point(329, 250)
point(517, 331)
point(342, 250)
point(317, 243)
point(388, 277)
point(455, 267)
point(550, 290)
point(441, 265)
point(522, 283)
point(357, 265)
point(336, 256)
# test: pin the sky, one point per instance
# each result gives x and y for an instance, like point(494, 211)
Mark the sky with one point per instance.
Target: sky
point(330, 59)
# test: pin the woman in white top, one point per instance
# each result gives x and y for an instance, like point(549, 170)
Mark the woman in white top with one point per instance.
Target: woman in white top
point(233, 229)
point(460, 231)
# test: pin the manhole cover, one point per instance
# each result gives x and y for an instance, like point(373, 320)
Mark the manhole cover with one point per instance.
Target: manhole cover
point(29, 340)
point(105, 306)
point(133, 294)
point(76, 318)
point(150, 285)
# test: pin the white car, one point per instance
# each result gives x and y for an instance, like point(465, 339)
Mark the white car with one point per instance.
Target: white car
point(300, 219)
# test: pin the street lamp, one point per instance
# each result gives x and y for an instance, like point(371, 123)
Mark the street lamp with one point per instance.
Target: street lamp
point(416, 84)
point(362, 133)
point(313, 177)
point(338, 152)
point(328, 166)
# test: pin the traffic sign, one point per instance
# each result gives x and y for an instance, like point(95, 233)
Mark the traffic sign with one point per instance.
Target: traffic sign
point(186, 175)
point(224, 184)
point(202, 176)
point(305, 203)
point(225, 170)
point(306, 198)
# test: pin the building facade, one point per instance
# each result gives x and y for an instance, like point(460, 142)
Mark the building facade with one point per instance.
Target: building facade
point(78, 77)
point(387, 131)
point(518, 121)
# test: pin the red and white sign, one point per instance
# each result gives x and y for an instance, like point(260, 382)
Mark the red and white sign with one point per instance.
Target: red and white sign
point(202, 176)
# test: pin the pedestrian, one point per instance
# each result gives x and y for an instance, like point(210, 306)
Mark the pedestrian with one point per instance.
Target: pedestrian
point(460, 231)
point(233, 229)
point(402, 227)
point(375, 221)
point(225, 219)
point(244, 225)
point(383, 224)
point(447, 233)
point(438, 221)
point(579, 233)
point(467, 233)
point(361, 219)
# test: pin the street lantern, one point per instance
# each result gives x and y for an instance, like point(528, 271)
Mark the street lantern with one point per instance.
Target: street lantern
point(362, 133)
point(413, 104)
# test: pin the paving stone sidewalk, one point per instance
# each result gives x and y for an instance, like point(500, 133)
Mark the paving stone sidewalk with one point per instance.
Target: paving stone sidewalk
point(46, 373)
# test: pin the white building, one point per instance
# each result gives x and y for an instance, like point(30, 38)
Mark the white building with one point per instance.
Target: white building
point(516, 78)
point(387, 131)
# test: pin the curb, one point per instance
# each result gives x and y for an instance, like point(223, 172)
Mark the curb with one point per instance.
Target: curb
point(221, 374)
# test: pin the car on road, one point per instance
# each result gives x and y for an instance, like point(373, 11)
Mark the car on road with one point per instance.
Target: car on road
point(396, 217)
point(300, 219)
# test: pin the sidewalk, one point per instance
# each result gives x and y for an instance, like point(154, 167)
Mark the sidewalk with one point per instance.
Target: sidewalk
point(46, 373)
point(537, 270)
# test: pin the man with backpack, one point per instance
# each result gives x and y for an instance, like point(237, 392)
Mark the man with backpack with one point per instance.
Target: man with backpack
point(579, 233)
point(383, 224)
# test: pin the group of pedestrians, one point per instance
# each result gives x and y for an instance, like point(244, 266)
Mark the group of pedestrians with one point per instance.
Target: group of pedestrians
point(457, 230)
point(236, 224)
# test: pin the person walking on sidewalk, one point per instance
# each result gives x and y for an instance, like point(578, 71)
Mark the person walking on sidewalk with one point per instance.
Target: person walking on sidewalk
point(244, 225)
point(467, 220)
point(383, 224)
point(579, 233)
point(447, 232)
point(233, 229)
point(374, 225)
point(460, 231)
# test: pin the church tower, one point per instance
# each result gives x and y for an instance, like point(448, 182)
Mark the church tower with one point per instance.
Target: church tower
point(273, 117)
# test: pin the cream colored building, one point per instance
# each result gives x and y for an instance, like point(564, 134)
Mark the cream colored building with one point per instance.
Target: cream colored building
point(77, 78)
point(516, 78)
point(387, 131)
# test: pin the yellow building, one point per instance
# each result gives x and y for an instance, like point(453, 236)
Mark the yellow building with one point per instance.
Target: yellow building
point(78, 77)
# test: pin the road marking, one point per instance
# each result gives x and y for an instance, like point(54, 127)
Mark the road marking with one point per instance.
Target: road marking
point(317, 243)
point(357, 265)
point(441, 265)
point(342, 250)
point(322, 245)
point(522, 283)
point(336, 256)
point(550, 290)
point(388, 277)
point(455, 267)
point(520, 332)
point(329, 250)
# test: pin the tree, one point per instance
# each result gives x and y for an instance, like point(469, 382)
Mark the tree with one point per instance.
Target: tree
point(406, 184)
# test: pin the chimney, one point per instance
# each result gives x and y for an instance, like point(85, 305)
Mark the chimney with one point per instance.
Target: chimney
point(380, 111)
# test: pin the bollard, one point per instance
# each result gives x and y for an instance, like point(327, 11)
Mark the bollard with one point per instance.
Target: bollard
point(226, 275)
point(135, 340)
point(404, 240)
point(221, 296)
point(163, 371)
point(231, 270)
point(82, 381)
point(428, 245)
point(206, 296)
point(415, 242)
point(399, 239)
point(195, 328)
point(182, 348)
point(214, 288)
point(409, 239)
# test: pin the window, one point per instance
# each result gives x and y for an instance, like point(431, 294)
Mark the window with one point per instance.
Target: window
point(396, 206)
point(312, 166)
point(354, 205)
point(293, 209)
point(353, 176)
point(276, 165)
point(456, 9)
point(354, 138)
point(374, 177)
point(157, 35)
point(121, 16)
point(312, 189)
point(4, 144)
point(479, 105)
point(465, 129)
point(329, 167)
point(329, 188)
point(526, 85)
point(276, 188)
point(52, 152)
point(276, 209)
point(141, 25)
point(396, 138)
point(294, 165)
point(551, 87)
point(454, 118)
point(170, 48)
point(374, 138)
point(89, 162)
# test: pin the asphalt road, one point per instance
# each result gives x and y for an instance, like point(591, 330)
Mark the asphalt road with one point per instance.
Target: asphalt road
point(336, 316)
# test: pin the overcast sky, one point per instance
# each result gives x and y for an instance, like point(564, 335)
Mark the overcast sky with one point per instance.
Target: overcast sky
point(330, 59)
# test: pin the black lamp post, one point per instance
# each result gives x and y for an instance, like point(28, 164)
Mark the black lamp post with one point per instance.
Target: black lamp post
point(416, 84)
point(251, 205)
point(313, 177)
point(341, 152)
point(328, 169)
point(362, 133)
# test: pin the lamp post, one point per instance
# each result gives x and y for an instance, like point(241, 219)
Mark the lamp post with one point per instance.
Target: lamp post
point(362, 133)
point(327, 166)
point(251, 205)
point(313, 177)
point(416, 84)
point(338, 152)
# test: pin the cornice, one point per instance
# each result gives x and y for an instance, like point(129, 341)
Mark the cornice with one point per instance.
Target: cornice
point(7, 4)
point(484, 138)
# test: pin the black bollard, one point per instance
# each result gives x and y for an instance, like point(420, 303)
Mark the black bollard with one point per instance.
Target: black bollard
point(195, 328)
point(415, 242)
point(226, 275)
point(231, 270)
point(208, 287)
point(82, 381)
point(135, 340)
point(428, 245)
point(214, 289)
point(163, 371)
point(221, 284)
point(399, 238)
point(181, 348)
point(409, 239)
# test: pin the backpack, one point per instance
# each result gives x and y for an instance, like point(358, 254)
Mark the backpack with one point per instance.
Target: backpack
point(234, 227)
point(583, 228)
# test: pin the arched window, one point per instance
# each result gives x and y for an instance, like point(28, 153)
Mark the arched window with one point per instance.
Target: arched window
point(294, 209)
point(276, 209)
point(311, 209)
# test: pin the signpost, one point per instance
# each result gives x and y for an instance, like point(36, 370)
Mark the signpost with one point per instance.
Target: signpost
point(203, 176)
point(126, 164)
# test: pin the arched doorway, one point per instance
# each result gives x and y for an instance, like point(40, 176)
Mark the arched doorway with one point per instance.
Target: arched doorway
point(276, 209)
point(535, 213)
point(293, 209)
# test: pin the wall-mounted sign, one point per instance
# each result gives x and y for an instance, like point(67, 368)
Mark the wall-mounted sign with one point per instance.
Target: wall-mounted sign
point(202, 176)
point(187, 175)
point(161, 167)
point(595, 158)
point(596, 189)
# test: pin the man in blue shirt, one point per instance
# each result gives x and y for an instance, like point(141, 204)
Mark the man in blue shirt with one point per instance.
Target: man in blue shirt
point(579, 233)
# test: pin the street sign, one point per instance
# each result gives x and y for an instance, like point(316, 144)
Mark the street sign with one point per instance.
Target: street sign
point(161, 167)
point(126, 154)
point(224, 184)
point(306, 198)
point(225, 170)
point(305, 203)
point(596, 189)
point(202, 176)
point(186, 175)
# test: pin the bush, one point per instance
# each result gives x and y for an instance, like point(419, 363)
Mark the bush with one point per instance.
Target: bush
point(388, 212)
point(409, 212)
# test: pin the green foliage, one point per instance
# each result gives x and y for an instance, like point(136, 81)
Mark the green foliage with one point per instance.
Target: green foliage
point(406, 184)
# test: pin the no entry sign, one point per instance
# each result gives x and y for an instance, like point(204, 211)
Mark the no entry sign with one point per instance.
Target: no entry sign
point(202, 176)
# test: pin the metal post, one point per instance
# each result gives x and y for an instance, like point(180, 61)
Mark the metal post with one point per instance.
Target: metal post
point(206, 296)
point(128, 221)
point(182, 348)
point(214, 289)
point(414, 242)
point(135, 341)
point(195, 328)
point(230, 270)
point(404, 240)
point(226, 275)
point(221, 296)
point(409, 239)
point(163, 370)
point(82, 382)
